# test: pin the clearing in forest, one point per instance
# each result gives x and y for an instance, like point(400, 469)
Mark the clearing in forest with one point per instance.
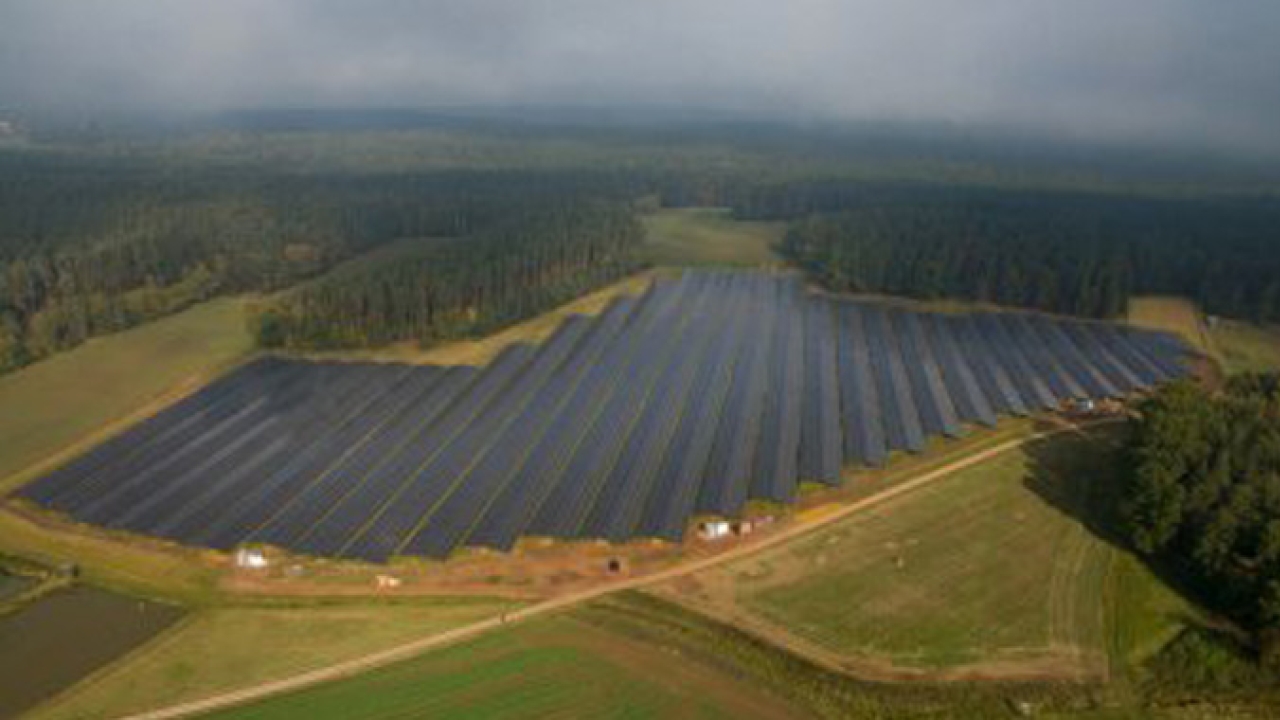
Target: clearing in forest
point(1176, 315)
point(708, 236)
point(1245, 347)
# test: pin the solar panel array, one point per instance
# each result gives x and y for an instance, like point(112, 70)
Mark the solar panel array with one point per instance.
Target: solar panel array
point(705, 392)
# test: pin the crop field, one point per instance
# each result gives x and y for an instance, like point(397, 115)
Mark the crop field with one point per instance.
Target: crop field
point(561, 667)
point(709, 390)
point(224, 648)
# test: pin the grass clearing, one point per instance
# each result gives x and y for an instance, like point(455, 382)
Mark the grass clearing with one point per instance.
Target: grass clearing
point(226, 648)
point(1176, 315)
point(557, 667)
point(60, 406)
point(708, 236)
point(1244, 347)
point(1237, 346)
point(127, 566)
point(992, 566)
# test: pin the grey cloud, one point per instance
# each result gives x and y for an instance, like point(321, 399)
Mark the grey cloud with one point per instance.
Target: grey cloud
point(1179, 70)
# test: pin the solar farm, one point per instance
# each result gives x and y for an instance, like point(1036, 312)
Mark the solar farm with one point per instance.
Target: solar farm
point(710, 390)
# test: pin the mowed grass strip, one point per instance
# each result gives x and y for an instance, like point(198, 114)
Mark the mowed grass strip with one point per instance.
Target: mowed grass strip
point(227, 648)
point(557, 667)
point(708, 236)
point(991, 563)
point(60, 406)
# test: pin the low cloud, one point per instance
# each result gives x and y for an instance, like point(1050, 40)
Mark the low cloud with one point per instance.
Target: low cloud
point(1183, 71)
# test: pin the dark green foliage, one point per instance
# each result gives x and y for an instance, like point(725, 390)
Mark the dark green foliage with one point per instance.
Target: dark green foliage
point(100, 232)
point(1202, 665)
point(531, 260)
point(89, 246)
point(1204, 492)
point(1077, 254)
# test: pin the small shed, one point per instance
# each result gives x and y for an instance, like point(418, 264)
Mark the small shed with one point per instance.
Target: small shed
point(251, 558)
point(714, 529)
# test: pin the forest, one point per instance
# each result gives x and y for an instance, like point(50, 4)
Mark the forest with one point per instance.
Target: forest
point(90, 246)
point(532, 259)
point(1204, 494)
point(1078, 254)
point(100, 232)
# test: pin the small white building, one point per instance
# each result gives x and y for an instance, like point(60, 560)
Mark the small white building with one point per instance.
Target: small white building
point(714, 529)
point(251, 558)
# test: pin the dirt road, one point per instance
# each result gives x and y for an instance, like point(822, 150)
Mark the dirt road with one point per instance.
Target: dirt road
point(467, 632)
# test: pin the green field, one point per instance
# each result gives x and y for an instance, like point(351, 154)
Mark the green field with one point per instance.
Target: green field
point(708, 236)
point(60, 405)
point(636, 656)
point(559, 667)
point(1246, 348)
point(989, 566)
point(225, 648)
point(1176, 315)
point(1238, 346)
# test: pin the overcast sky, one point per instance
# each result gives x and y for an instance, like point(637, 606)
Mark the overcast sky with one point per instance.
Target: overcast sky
point(1192, 71)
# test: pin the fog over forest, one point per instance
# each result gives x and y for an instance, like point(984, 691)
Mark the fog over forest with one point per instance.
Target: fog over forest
point(1182, 72)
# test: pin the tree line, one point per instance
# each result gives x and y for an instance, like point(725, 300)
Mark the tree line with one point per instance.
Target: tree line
point(90, 246)
point(1204, 493)
point(1077, 254)
point(536, 257)
point(98, 238)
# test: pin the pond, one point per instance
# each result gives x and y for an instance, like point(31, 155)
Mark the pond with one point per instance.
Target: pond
point(52, 643)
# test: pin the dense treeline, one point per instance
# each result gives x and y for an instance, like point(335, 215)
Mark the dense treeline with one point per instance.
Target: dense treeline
point(534, 258)
point(1204, 492)
point(88, 247)
point(99, 231)
point(1077, 254)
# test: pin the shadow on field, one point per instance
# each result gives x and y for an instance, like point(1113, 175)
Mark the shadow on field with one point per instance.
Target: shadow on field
point(1080, 475)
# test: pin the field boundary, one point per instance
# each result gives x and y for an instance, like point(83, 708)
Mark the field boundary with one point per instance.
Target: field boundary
point(406, 651)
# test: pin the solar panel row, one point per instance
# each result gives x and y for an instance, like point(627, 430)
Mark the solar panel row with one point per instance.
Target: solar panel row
point(709, 390)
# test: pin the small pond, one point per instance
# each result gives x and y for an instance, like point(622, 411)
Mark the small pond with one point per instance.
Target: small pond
point(55, 641)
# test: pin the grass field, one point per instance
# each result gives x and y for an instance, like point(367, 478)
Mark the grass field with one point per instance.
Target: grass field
point(989, 567)
point(1176, 315)
point(224, 648)
point(60, 405)
point(1243, 347)
point(708, 236)
point(636, 656)
point(1237, 346)
point(558, 667)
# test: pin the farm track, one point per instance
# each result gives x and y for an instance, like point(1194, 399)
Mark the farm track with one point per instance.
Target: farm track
point(408, 650)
